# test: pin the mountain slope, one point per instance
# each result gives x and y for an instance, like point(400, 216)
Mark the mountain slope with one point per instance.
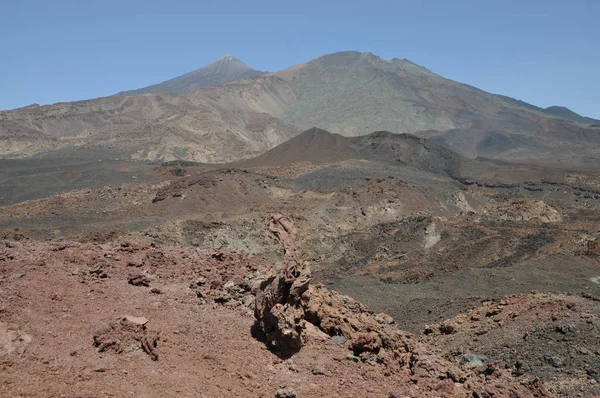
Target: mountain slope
point(212, 124)
point(223, 70)
point(353, 93)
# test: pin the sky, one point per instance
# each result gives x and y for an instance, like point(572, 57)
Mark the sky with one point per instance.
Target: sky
point(544, 52)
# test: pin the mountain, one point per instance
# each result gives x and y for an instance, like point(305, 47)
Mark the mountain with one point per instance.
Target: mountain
point(352, 93)
point(314, 146)
point(223, 70)
point(347, 93)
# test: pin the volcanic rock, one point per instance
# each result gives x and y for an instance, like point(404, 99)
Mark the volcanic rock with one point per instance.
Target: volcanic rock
point(278, 307)
point(287, 392)
point(124, 334)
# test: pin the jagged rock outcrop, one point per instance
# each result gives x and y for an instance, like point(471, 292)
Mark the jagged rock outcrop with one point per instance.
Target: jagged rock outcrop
point(278, 307)
point(287, 304)
point(525, 209)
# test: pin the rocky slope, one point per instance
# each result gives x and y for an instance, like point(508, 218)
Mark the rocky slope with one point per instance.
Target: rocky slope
point(210, 125)
point(512, 330)
point(187, 315)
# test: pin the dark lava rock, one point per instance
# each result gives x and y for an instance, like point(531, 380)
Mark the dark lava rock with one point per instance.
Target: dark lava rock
point(447, 328)
point(555, 361)
point(474, 360)
point(521, 368)
point(564, 329)
point(139, 280)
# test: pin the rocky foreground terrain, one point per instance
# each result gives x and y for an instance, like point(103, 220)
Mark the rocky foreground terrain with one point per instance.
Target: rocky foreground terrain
point(383, 266)
point(128, 318)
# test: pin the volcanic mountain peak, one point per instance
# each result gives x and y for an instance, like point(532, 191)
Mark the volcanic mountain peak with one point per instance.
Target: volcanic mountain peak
point(230, 62)
point(223, 70)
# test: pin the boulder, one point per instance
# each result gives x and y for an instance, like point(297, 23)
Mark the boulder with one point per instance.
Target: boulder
point(287, 392)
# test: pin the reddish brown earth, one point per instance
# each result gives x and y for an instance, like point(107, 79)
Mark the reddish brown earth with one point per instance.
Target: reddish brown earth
point(72, 325)
point(401, 226)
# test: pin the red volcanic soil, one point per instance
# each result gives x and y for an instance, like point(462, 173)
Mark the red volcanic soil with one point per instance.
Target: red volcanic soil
point(132, 319)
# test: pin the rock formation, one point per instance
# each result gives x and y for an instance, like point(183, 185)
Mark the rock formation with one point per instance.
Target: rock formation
point(279, 308)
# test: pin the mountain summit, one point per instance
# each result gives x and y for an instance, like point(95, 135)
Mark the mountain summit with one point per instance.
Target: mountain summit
point(221, 71)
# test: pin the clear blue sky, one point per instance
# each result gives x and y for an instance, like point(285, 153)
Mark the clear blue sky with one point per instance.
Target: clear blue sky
point(545, 52)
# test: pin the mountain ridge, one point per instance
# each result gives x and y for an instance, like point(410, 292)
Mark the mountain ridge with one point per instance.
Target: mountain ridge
point(348, 93)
